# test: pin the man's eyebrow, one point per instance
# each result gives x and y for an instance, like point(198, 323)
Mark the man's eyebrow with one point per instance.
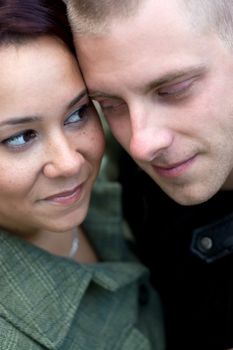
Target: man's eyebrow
point(78, 98)
point(98, 94)
point(163, 79)
point(176, 74)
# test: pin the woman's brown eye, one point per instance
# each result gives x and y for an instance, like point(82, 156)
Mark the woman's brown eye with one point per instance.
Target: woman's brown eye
point(20, 139)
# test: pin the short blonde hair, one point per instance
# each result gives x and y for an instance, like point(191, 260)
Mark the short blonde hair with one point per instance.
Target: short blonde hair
point(94, 16)
point(215, 15)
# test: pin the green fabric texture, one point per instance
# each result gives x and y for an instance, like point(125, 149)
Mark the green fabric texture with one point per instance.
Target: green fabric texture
point(50, 302)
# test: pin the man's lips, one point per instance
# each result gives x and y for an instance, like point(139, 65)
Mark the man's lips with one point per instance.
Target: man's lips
point(67, 197)
point(175, 169)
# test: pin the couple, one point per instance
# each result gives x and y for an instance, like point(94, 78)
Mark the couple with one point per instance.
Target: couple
point(162, 73)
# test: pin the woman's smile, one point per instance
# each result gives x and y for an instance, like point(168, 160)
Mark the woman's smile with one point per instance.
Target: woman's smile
point(66, 198)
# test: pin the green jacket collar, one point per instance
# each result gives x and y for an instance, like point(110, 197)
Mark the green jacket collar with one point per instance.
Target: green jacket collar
point(40, 293)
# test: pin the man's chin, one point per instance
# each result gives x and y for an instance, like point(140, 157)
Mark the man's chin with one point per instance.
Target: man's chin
point(188, 196)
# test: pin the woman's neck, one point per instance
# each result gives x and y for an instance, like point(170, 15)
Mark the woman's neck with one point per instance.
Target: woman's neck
point(61, 244)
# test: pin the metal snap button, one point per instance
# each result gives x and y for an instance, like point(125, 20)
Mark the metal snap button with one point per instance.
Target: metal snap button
point(205, 243)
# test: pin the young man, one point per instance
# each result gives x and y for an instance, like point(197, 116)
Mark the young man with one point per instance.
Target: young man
point(163, 73)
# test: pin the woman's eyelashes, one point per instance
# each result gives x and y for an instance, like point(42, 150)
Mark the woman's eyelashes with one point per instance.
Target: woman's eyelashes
point(79, 114)
point(20, 140)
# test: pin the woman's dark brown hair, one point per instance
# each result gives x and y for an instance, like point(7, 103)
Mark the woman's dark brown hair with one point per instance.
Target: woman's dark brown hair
point(23, 20)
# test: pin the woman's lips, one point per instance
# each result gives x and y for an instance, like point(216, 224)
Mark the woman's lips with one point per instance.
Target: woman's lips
point(66, 198)
point(174, 170)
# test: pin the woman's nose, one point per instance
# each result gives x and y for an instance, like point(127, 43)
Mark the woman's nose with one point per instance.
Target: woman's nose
point(64, 159)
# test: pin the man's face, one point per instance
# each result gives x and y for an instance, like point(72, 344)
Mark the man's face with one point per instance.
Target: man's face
point(166, 90)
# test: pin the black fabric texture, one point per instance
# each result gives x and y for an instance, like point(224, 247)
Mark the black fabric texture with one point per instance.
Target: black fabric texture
point(197, 296)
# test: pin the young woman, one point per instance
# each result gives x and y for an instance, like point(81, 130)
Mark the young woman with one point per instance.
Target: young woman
point(62, 286)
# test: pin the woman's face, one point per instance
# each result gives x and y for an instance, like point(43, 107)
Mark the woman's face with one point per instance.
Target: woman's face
point(51, 140)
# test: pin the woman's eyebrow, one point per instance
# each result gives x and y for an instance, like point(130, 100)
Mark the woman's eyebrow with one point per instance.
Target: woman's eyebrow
point(76, 99)
point(20, 120)
point(33, 119)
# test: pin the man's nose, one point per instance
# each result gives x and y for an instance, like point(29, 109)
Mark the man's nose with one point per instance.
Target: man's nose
point(63, 159)
point(150, 140)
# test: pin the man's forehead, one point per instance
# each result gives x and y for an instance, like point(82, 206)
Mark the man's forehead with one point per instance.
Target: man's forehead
point(116, 25)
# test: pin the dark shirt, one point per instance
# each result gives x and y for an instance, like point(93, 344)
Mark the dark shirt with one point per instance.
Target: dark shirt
point(189, 252)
